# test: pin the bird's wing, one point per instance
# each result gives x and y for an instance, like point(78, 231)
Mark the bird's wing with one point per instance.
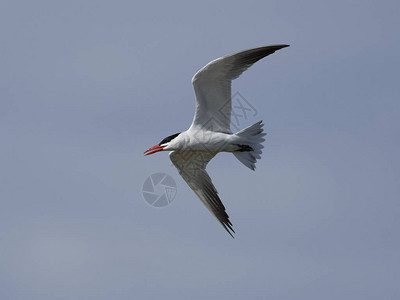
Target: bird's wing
point(212, 86)
point(191, 166)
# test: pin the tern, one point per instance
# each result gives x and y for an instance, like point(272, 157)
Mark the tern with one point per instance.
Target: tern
point(210, 131)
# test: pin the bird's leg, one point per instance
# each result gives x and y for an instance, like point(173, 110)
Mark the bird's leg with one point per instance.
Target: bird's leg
point(243, 148)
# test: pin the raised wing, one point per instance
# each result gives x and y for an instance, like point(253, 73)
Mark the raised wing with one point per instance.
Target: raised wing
point(212, 86)
point(191, 166)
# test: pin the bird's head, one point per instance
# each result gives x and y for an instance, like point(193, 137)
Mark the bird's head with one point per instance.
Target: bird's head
point(162, 145)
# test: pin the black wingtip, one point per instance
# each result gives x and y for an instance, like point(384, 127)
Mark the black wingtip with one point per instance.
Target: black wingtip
point(230, 233)
point(228, 228)
point(281, 46)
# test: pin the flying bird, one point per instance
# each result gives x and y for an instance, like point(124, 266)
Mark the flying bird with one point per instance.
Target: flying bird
point(210, 131)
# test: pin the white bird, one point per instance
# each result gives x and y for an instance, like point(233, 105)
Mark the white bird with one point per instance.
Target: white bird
point(210, 132)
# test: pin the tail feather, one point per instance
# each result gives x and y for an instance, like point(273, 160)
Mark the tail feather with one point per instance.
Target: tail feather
point(252, 136)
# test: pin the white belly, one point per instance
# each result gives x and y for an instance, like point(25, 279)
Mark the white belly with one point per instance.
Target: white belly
point(211, 141)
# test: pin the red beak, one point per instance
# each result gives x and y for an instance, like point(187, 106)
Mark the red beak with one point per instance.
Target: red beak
point(154, 149)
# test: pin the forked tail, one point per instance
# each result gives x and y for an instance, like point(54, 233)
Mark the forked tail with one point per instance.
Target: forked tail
point(252, 136)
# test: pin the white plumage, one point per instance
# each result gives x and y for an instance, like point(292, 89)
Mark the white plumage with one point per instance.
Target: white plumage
point(210, 132)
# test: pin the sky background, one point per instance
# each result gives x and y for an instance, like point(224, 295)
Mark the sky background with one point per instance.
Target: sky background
point(87, 86)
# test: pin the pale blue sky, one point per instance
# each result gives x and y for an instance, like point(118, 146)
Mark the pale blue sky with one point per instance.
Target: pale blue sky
point(86, 87)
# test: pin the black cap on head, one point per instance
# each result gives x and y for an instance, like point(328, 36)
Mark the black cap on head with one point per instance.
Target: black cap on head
point(169, 138)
